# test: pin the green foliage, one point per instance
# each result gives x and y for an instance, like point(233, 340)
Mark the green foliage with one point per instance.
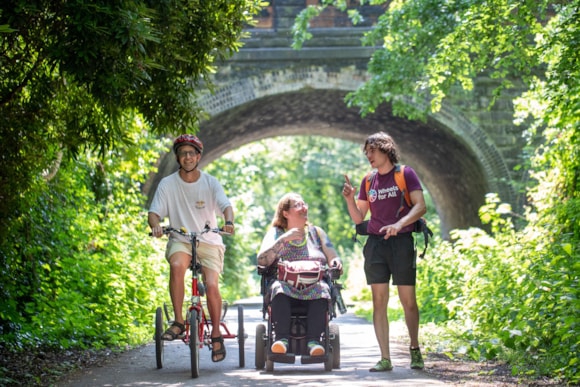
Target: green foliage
point(78, 268)
point(425, 47)
point(510, 294)
point(73, 74)
point(78, 80)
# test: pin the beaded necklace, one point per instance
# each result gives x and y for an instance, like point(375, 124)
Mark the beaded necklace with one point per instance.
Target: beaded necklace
point(303, 243)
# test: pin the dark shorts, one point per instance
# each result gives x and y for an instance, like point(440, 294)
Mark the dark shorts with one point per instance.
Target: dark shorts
point(394, 257)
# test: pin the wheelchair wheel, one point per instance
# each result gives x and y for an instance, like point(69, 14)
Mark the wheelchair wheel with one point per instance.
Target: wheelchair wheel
point(158, 341)
point(329, 360)
point(194, 343)
point(335, 344)
point(241, 336)
point(260, 346)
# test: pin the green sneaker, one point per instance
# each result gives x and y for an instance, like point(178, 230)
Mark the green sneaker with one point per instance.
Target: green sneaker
point(315, 349)
point(416, 359)
point(280, 346)
point(382, 365)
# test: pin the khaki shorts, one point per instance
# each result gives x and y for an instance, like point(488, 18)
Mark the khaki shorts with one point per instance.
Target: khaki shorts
point(210, 256)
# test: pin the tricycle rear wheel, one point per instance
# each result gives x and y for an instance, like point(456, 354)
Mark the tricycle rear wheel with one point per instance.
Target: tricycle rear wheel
point(241, 336)
point(158, 341)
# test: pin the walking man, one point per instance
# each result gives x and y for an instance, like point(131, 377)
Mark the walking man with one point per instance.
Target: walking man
point(389, 250)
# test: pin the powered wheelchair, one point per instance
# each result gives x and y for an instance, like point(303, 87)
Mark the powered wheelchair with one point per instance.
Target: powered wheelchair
point(297, 345)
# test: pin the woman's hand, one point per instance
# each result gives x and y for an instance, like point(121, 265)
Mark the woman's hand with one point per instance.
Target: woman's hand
point(294, 234)
point(337, 264)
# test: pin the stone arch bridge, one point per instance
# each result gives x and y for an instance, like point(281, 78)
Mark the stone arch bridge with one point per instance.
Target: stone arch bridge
point(268, 89)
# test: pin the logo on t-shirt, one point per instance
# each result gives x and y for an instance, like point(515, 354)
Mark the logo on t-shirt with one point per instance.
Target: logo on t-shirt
point(200, 204)
point(382, 194)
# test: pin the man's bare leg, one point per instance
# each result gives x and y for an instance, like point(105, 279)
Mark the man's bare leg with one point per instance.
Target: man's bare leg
point(214, 304)
point(409, 303)
point(380, 294)
point(178, 264)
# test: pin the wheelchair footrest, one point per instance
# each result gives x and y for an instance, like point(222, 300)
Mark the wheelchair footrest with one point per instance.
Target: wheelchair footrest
point(288, 358)
point(306, 359)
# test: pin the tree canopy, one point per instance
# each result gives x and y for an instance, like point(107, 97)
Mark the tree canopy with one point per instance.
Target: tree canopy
point(74, 75)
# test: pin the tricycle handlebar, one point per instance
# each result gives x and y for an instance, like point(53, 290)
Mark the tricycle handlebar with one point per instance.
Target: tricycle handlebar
point(193, 234)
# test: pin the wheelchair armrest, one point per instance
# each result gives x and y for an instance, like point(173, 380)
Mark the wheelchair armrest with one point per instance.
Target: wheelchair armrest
point(266, 270)
point(334, 273)
point(268, 274)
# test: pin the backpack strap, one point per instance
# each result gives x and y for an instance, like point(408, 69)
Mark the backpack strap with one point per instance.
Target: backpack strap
point(402, 184)
point(314, 230)
point(368, 179)
point(421, 226)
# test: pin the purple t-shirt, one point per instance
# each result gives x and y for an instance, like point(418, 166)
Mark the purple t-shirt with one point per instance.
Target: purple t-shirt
point(385, 199)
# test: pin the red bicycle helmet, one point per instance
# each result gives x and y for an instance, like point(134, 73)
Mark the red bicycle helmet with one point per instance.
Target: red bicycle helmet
point(188, 139)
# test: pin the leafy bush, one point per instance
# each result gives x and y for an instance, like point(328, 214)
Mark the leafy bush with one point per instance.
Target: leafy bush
point(514, 293)
point(79, 269)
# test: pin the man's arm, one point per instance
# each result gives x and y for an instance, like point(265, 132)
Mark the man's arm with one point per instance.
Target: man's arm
point(154, 221)
point(356, 209)
point(417, 211)
point(229, 220)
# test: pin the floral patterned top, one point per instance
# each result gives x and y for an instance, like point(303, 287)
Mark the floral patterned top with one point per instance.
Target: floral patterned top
point(291, 251)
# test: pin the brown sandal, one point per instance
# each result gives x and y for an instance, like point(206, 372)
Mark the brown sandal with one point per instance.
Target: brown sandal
point(170, 334)
point(218, 354)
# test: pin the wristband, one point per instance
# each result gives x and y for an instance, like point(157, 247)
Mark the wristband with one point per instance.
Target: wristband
point(229, 223)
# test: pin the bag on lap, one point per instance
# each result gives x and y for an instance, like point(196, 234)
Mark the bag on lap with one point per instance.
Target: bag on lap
point(300, 274)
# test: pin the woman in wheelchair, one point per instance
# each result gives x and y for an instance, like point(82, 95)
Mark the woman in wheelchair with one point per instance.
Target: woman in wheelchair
point(291, 240)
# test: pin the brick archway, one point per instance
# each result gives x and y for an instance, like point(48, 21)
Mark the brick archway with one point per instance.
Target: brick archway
point(455, 168)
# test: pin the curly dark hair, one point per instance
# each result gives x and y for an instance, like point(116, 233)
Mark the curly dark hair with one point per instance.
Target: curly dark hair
point(384, 143)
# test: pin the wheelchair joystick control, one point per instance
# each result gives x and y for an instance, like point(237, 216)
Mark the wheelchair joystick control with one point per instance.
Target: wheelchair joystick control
point(339, 301)
point(336, 288)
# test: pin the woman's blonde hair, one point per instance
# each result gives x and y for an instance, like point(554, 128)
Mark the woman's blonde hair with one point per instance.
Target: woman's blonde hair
point(284, 205)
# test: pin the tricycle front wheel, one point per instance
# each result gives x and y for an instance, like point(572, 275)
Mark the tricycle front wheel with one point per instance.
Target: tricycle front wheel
point(194, 343)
